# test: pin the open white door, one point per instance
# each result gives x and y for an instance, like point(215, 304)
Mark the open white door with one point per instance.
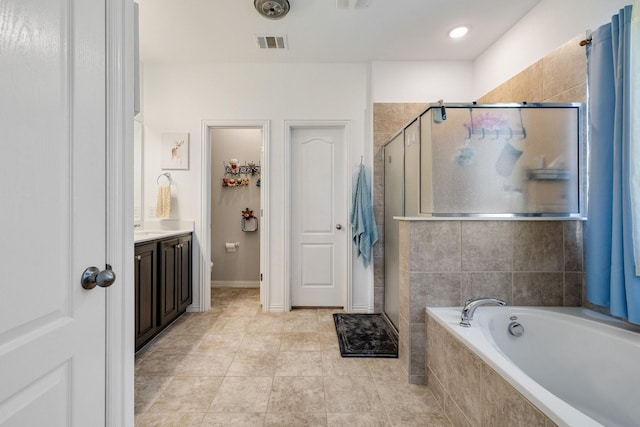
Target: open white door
point(319, 217)
point(52, 169)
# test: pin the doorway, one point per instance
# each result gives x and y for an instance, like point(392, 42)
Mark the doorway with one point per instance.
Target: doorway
point(235, 207)
point(319, 267)
point(235, 204)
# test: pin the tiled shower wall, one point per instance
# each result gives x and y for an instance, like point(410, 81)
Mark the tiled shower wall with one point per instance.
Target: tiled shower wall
point(558, 77)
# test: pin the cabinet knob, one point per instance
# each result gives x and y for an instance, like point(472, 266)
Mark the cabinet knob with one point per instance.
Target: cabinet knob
point(138, 257)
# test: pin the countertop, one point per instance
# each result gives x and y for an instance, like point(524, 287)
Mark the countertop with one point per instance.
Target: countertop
point(148, 235)
point(161, 229)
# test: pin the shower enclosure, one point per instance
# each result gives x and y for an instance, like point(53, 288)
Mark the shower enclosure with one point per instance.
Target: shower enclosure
point(473, 160)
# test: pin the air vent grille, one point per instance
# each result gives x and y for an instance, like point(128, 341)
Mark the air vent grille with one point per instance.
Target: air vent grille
point(272, 42)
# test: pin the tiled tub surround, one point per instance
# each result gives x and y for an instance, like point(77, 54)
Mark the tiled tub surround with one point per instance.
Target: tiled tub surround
point(470, 392)
point(445, 262)
point(560, 369)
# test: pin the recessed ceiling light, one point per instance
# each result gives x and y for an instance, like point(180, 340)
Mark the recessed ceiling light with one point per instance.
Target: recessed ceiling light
point(458, 32)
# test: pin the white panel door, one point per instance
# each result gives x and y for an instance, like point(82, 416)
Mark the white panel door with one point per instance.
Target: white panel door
point(319, 217)
point(52, 221)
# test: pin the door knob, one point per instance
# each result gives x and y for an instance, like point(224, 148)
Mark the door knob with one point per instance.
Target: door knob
point(92, 276)
point(338, 227)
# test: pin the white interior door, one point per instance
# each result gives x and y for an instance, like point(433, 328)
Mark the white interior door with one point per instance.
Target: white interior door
point(52, 169)
point(319, 217)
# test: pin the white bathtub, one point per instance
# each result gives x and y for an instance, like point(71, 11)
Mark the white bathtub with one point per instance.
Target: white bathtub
point(578, 367)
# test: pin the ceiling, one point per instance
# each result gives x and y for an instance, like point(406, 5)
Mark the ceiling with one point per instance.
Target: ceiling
point(223, 31)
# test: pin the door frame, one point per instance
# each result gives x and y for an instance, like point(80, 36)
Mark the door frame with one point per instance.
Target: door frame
point(205, 226)
point(289, 126)
point(119, 86)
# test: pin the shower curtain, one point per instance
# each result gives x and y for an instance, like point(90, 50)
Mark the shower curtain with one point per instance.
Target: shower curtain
point(610, 262)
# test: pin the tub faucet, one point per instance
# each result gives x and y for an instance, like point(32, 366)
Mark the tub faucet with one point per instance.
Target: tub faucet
point(471, 305)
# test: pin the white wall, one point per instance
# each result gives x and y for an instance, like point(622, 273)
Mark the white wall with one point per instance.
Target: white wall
point(422, 82)
point(545, 28)
point(177, 97)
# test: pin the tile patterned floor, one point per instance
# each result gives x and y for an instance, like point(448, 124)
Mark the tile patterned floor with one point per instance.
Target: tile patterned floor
point(237, 366)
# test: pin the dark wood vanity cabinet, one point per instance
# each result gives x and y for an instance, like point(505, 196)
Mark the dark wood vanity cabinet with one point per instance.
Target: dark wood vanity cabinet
point(146, 281)
point(175, 278)
point(163, 284)
point(184, 285)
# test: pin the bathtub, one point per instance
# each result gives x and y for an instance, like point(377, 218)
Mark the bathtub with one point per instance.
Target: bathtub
point(578, 367)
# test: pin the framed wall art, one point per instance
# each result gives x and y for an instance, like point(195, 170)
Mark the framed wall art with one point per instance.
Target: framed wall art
point(175, 151)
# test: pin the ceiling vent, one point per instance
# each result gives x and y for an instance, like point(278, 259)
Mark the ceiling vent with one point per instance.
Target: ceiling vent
point(272, 9)
point(352, 4)
point(272, 42)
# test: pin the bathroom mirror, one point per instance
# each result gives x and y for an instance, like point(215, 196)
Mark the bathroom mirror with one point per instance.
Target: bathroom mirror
point(137, 172)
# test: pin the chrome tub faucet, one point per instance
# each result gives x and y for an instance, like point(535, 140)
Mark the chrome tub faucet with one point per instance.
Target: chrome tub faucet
point(471, 305)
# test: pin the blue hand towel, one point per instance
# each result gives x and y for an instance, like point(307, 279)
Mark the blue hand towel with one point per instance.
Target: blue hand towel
point(364, 230)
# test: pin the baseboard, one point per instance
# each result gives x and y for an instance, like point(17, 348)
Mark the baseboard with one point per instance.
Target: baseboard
point(235, 284)
point(361, 309)
point(277, 308)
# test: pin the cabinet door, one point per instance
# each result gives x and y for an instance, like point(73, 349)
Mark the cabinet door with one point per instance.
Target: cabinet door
point(168, 310)
point(146, 290)
point(184, 283)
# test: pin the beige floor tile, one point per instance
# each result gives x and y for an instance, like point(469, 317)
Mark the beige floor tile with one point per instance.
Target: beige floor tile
point(170, 419)
point(236, 325)
point(328, 312)
point(205, 364)
point(406, 398)
point(299, 364)
point(358, 420)
point(301, 312)
point(297, 394)
point(244, 367)
point(301, 324)
point(186, 394)
point(326, 325)
point(256, 341)
point(222, 419)
point(266, 324)
point(333, 365)
point(328, 340)
point(240, 309)
point(351, 394)
point(178, 341)
point(387, 368)
point(215, 342)
point(283, 419)
point(419, 420)
point(300, 341)
point(160, 363)
point(146, 391)
point(253, 364)
point(242, 394)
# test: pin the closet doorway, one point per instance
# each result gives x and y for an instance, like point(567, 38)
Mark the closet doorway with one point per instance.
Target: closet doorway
point(236, 206)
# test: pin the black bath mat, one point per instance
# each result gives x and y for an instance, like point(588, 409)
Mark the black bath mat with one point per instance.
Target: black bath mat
point(365, 335)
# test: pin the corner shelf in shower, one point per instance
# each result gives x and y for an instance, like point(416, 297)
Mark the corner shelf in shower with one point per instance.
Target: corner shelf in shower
point(546, 174)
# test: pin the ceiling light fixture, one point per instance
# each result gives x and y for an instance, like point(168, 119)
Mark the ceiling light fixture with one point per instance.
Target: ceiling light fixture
point(459, 32)
point(272, 9)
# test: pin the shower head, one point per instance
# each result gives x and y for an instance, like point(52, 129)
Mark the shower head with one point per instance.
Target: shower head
point(272, 9)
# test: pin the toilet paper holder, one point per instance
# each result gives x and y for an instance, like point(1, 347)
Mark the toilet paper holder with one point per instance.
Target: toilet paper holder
point(231, 246)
